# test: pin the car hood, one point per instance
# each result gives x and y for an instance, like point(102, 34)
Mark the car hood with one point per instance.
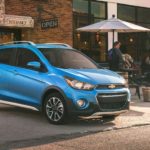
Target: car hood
point(93, 76)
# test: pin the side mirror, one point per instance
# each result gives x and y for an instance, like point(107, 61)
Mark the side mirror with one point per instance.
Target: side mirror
point(34, 64)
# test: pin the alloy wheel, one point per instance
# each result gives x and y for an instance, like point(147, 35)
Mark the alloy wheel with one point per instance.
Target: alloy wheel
point(54, 109)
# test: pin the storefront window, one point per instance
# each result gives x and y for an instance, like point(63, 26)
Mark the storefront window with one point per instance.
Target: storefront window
point(126, 13)
point(86, 12)
point(8, 35)
point(80, 6)
point(143, 15)
point(98, 9)
point(136, 44)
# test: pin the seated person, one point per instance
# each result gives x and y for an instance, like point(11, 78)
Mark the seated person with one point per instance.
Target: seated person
point(128, 61)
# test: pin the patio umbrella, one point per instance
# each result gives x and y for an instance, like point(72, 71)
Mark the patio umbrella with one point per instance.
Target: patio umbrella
point(113, 25)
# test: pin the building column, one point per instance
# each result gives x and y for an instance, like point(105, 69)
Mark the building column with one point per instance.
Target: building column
point(2, 10)
point(111, 10)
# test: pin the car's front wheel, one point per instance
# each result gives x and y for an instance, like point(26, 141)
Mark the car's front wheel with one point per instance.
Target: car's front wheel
point(54, 108)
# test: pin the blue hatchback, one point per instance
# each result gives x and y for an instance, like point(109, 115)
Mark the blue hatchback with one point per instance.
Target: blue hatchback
point(60, 81)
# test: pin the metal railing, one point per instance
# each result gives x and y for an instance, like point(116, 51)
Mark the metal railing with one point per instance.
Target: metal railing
point(63, 44)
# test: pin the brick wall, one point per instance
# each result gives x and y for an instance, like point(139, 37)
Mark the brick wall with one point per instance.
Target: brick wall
point(61, 9)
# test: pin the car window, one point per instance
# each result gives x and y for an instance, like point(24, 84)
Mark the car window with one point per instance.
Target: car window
point(7, 56)
point(67, 58)
point(25, 56)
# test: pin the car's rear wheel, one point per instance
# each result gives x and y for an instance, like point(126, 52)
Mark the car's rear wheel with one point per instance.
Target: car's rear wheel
point(54, 108)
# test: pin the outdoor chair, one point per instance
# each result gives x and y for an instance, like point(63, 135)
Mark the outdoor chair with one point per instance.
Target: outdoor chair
point(133, 78)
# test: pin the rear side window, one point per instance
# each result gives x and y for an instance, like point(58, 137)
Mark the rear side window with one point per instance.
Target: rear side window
point(6, 56)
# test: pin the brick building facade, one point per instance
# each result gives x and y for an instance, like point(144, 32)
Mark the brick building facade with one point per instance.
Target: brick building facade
point(41, 10)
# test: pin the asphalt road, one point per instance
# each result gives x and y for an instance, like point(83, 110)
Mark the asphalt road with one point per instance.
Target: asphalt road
point(137, 138)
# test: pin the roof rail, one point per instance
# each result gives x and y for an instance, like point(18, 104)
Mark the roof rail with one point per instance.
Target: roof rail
point(18, 42)
point(63, 44)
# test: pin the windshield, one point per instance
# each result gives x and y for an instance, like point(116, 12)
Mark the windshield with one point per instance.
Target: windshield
point(66, 58)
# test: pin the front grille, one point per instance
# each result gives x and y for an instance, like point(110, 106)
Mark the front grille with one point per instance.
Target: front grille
point(112, 101)
point(101, 86)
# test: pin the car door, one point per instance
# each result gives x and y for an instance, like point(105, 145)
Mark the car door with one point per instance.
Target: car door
point(28, 84)
point(7, 60)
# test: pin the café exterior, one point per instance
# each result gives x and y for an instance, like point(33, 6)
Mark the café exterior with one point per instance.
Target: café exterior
point(44, 21)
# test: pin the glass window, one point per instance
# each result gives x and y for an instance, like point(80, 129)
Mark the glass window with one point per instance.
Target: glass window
point(126, 13)
point(75, 59)
point(86, 12)
point(80, 6)
point(143, 15)
point(8, 35)
point(133, 43)
point(6, 56)
point(146, 25)
point(80, 20)
point(98, 20)
point(98, 9)
point(26, 56)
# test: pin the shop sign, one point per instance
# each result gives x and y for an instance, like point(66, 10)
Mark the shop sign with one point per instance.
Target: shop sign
point(51, 23)
point(16, 21)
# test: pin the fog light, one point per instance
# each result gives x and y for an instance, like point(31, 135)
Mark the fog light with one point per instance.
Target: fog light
point(81, 103)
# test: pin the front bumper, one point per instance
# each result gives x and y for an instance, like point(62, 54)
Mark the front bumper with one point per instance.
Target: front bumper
point(111, 105)
point(94, 109)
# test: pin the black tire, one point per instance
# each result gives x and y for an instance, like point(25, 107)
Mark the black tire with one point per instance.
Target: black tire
point(55, 108)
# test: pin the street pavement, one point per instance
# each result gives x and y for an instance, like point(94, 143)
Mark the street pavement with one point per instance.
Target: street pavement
point(135, 138)
point(21, 128)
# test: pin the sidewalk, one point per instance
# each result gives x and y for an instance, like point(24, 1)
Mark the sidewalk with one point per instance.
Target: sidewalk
point(134, 96)
point(139, 113)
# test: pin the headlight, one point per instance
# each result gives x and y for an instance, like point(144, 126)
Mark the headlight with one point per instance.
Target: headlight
point(78, 84)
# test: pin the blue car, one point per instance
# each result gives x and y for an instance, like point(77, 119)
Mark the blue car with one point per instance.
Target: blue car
point(59, 81)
